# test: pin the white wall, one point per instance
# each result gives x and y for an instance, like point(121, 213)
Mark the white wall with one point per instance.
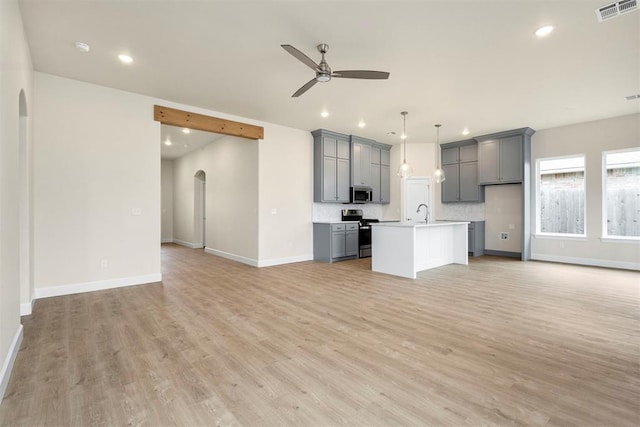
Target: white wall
point(231, 168)
point(16, 74)
point(421, 157)
point(96, 161)
point(166, 184)
point(286, 195)
point(503, 213)
point(590, 139)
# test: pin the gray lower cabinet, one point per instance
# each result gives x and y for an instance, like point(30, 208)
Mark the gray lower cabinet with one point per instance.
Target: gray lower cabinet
point(335, 241)
point(475, 232)
point(332, 156)
point(460, 166)
point(501, 160)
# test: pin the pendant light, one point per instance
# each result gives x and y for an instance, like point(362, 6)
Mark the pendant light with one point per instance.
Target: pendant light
point(439, 173)
point(405, 170)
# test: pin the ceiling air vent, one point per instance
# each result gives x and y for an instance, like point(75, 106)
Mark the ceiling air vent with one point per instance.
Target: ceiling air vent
point(616, 9)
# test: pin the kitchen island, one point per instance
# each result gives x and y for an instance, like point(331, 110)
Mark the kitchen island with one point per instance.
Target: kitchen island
point(404, 248)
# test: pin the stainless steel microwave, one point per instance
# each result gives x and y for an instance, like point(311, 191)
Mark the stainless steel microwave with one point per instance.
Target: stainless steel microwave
point(361, 195)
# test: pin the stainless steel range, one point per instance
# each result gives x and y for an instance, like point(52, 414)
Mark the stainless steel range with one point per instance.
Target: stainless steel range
point(364, 230)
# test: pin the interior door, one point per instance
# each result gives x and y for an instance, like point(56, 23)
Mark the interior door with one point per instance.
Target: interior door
point(417, 191)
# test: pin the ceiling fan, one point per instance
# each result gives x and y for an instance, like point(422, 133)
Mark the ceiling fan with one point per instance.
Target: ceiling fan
point(323, 71)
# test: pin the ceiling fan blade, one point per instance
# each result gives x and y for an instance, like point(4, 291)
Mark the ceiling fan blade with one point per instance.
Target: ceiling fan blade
point(360, 74)
point(304, 88)
point(300, 56)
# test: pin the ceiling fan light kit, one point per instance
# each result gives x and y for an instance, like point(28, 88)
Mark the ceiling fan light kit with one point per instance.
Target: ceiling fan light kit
point(323, 71)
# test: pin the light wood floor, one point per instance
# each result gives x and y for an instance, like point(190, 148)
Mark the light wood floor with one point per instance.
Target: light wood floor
point(497, 342)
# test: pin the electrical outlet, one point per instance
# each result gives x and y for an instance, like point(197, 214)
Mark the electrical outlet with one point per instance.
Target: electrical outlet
point(504, 236)
point(104, 263)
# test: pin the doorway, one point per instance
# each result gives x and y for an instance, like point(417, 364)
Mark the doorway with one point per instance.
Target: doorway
point(199, 209)
point(416, 191)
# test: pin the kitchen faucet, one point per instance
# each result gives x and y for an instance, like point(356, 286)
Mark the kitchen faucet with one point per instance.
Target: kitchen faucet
point(426, 217)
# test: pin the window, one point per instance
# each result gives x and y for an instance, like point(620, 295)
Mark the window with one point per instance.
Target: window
point(621, 194)
point(561, 196)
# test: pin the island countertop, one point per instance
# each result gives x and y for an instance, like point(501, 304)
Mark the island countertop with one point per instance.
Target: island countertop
point(418, 224)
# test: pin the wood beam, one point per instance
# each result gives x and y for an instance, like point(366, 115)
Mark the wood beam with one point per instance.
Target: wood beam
point(185, 119)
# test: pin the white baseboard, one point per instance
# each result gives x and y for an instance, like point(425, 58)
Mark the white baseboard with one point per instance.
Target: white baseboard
point(27, 308)
point(233, 257)
point(99, 285)
point(166, 240)
point(256, 263)
point(587, 261)
point(188, 244)
point(288, 260)
point(9, 360)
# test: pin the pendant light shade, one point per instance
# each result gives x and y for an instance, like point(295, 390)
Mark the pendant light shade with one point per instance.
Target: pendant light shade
point(405, 170)
point(438, 175)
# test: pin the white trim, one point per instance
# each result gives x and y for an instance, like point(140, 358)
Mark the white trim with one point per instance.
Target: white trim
point(166, 240)
point(559, 236)
point(27, 308)
point(233, 257)
point(187, 244)
point(604, 174)
point(288, 260)
point(98, 285)
point(620, 239)
point(9, 360)
point(587, 261)
point(538, 185)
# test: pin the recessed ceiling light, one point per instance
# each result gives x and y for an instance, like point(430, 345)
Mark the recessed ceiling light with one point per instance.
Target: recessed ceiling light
point(325, 114)
point(82, 47)
point(361, 124)
point(544, 31)
point(186, 130)
point(186, 145)
point(125, 59)
point(632, 97)
point(391, 133)
point(465, 131)
point(167, 143)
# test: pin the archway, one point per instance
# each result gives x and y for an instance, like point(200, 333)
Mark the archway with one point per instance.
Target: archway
point(199, 209)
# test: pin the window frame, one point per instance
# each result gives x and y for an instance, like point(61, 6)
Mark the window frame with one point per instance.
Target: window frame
point(604, 236)
point(538, 184)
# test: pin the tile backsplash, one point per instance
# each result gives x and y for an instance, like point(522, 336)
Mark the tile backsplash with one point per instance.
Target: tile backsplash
point(461, 211)
point(333, 211)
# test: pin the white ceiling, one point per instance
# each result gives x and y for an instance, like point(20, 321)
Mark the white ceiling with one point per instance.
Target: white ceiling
point(472, 64)
point(183, 143)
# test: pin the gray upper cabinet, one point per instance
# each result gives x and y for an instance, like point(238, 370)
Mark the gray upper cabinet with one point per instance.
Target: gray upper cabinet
point(385, 184)
point(460, 166)
point(450, 156)
point(331, 160)
point(379, 173)
point(501, 160)
point(341, 161)
point(361, 161)
point(451, 185)
point(470, 191)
